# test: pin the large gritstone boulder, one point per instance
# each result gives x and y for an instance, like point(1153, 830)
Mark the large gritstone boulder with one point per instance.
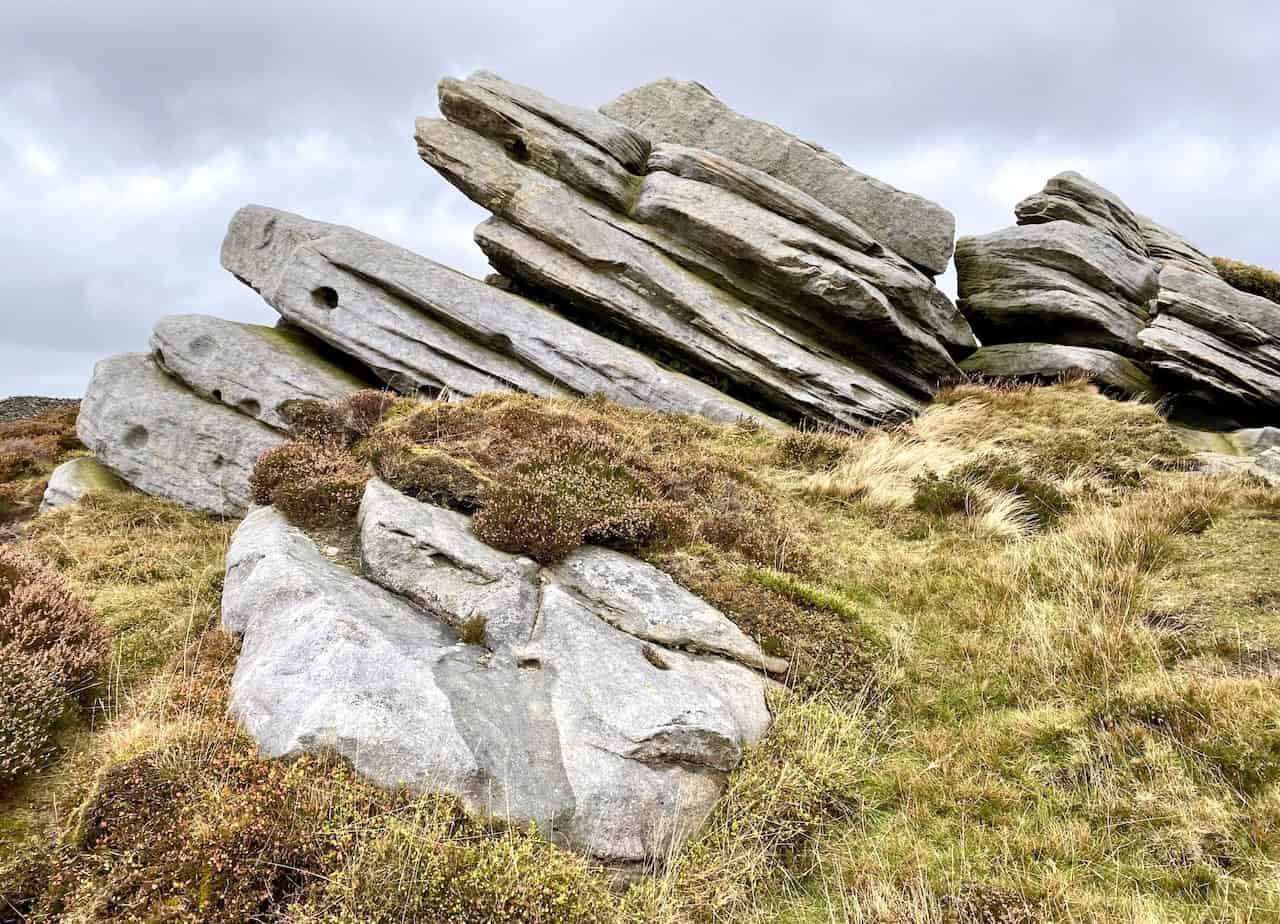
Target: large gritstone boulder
point(1216, 349)
point(687, 113)
point(741, 275)
point(423, 326)
point(165, 440)
point(595, 698)
point(1057, 282)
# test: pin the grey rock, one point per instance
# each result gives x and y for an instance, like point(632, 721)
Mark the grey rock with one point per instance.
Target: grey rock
point(1169, 248)
point(73, 479)
point(1058, 282)
point(1214, 345)
point(1045, 362)
point(420, 325)
point(166, 441)
point(623, 144)
point(683, 112)
point(488, 109)
point(252, 368)
point(1256, 440)
point(604, 263)
point(1071, 197)
point(561, 719)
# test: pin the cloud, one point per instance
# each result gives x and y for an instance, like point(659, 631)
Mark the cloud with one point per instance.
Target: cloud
point(131, 131)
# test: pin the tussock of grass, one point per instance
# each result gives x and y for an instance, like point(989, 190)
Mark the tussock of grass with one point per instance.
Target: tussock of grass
point(1246, 277)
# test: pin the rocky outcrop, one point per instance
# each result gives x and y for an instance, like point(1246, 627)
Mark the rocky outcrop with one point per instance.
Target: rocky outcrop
point(1057, 282)
point(1048, 362)
point(1215, 347)
point(688, 113)
point(423, 326)
point(1072, 198)
point(744, 277)
point(579, 701)
point(165, 440)
point(252, 368)
point(1171, 249)
point(73, 479)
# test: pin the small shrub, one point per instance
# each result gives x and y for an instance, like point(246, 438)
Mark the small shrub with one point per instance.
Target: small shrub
point(1246, 277)
point(1043, 500)
point(316, 421)
point(944, 496)
point(39, 616)
point(16, 462)
point(474, 630)
point(368, 408)
point(813, 450)
point(32, 704)
point(429, 475)
point(313, 484)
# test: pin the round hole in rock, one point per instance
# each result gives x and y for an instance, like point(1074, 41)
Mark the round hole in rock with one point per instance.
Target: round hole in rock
point(250, 407)
point(217, 394)
point(519, 150)
point(136, 437)
point(325, 297)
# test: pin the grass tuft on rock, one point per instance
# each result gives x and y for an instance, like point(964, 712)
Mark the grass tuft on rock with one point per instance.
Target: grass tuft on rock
point(1256, 280)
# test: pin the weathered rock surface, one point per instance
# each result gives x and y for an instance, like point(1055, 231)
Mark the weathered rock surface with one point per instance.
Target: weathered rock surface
point(615, 744)
point(1057, 282)
point(72, 480)
point(1076, 199)
point(252, 368)
point(1045, 362)
point(1169, 248)
point(738, 288)
point(1214, 345)
point(687, 113)
point(420, 325)
point(167, 441)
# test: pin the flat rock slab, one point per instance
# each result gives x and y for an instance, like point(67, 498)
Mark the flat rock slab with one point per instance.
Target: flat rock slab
point(73, 479)
point(1169, 248)
point(1057, 282)
point(420, 325)
point(252, 368)
point(1045, 362)
point(615, 744)
point(687, 113)
point(167, 441)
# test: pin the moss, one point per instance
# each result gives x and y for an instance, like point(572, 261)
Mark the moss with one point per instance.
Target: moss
point(474, 630)
point(1246, 277)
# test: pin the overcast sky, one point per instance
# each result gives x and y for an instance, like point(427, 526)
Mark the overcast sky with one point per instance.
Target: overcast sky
point(131, 130)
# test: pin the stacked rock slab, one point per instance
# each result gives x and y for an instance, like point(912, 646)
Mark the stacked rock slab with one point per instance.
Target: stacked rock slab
point(187, 421)
point(421, 326)
point(605, 703)
point(687, 113)
point(741, 275)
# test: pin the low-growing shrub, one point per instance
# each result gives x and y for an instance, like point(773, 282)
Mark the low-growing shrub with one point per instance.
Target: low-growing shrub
point(945, 496)
point(366, 409)
point(39, 616)
point(1256, 280)
point(427, 474)
point(315, 484)
point(32, 704)
point(316, 421)
point(1043, 500)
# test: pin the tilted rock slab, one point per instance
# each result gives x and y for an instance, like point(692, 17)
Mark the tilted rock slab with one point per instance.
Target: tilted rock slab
point(1045, 362)
point(1074, 198)
point(1169, 248)
point(615, 744)
point(688, 113)
point(1216, 345)
point(254, 369)
point(837, 330)
point(73, 479)
point(166, 441)
point(420, 325)
point(1058, 282)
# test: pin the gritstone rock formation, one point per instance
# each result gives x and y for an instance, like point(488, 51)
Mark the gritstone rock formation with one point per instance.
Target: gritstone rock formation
point(597, 699)
point(1143, 309)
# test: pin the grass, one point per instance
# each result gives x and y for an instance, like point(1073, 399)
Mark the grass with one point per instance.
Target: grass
point(29, 450)
point(1256, 280)
point(1054, 702)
